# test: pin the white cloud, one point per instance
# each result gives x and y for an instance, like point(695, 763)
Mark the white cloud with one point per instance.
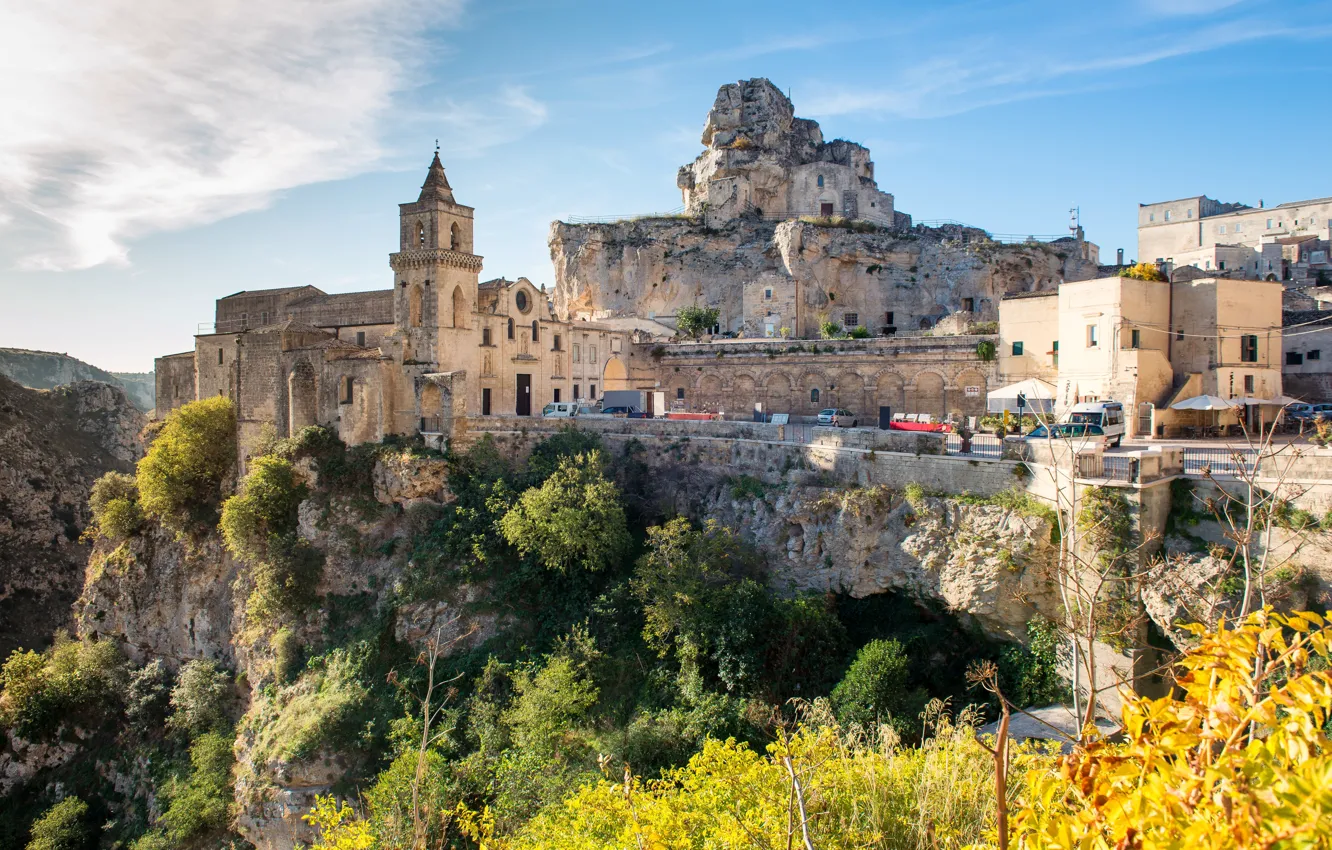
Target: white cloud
point(127, 117)
point(474, 125)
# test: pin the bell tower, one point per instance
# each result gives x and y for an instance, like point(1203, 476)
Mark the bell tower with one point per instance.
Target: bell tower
point(435, 272)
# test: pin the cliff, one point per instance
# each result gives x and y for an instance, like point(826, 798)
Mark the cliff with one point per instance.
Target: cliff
point(45, 370)
point(53, 445)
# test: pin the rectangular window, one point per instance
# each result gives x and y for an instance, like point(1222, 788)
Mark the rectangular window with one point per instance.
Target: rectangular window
point(1239, 228)
point(1017, 349)
point(592, 358)
point(1221, 228)
point(679, 393)
point(245, 320)
point(1167, 215)
point(767, 294)
point(485, 401)
point(592, 391)
point(263, 318)
point(557, 346)
point(345, 396)
point(575, 357)
point(1269, 224)
point(1188, 213)
point(850, 320)
point(485, 336)
point(1294, 358)
point(1249, 348)
point(888, 318)
point(557, 395)
point(1248, 384)
point(536, 337)
point(1135, 338)
point(219, 356)
point(968, 305)
point(1314, 354)
point(1221, 264)
point(360, 338)
point(1091, 336)
point(575, 395)
point(1055, 352)
point(1179, 334)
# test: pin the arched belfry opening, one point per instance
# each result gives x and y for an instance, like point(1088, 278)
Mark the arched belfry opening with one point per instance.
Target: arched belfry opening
point(415, 307)
point(421, 234)
point(455, 237)
point(459, 308)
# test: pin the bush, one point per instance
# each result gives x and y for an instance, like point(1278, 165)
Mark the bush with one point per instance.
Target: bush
point(875, 689)
point(830, 330)
point(985, 350)
point(316, 710)
point(695, 320)
point(286, 656)
point(73, 680)
point(574, 521)
point(548, 704)
point(1143, 271)
point(859, 332)
point(114, 501)
point(264, 508)
point(201, 699)
point(180, 479)
point(147, 697)
point(64, 826)
point(202, 802)
point(286, 581)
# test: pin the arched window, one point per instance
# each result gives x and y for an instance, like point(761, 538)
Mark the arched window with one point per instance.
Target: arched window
point(420, 232)
point(510, 328)
point(814, 395)
point(459, 308)
point(534, 331)
point(414, 307)
point(455, 237)
point(820, 181)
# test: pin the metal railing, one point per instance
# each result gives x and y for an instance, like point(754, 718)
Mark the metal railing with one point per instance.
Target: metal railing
point(432, 424)
point(982, 445)
point(1219, 460)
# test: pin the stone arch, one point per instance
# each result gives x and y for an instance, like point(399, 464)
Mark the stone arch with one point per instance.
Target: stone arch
point(420, 234)
point(302, 397)
point(415, 306)
point(807, 402)
point(615, 376)
point(927, 394)
point(710, 393)
point(459, 308)
point(969, 405)
point(849, 392)
point(744, 393)
point(455, 237)
point(889, 390)
point(777, 393)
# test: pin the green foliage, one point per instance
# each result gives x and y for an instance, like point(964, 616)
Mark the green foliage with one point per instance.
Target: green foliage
point(874, 689)
point(565, 444)
point(265, 508)
point(1143, 271)
point(287, 659)
point(747, 487)
point(915, 496)
point(180, 478)
point(694, 320)
point(201, 802)
point(859, 332)
point(548, 704)
point(321, 708)
point(830, 330)
point(114, 501)
point(573, 522)
point(201, 699)
point(285, 581)
point(79, 681)
point(1030, 675)
point(147, 696)
point(985, 350)
point(985, 327)
point(388, 803)
point(64, 826)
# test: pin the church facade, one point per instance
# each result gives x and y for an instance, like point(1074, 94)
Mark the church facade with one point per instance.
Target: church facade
point(438, 345)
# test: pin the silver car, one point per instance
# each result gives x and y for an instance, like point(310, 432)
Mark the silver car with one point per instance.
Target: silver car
point(837, 417)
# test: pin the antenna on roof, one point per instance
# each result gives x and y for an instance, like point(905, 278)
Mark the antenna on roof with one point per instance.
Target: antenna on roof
point(436, 145)
point(1074, 219)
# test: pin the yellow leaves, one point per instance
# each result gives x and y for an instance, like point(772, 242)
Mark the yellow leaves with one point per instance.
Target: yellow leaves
point(339, 827)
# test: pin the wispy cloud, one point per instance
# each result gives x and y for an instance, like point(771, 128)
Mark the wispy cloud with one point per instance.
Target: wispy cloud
point(475, 124)
point(127, 117)
point(1186, 7)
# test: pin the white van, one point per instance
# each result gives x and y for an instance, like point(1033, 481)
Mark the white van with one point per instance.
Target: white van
point(560, 410)
point(1109, 415)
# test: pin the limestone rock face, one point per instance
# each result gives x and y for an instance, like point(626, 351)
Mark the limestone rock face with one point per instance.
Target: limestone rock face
point(53, 445)
point(403, 477)
point(448, 623)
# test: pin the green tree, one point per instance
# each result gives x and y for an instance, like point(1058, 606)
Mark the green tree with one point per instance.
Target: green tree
point(573, 521)
point(264, 508)
point(695, 320)
point(875, 689)
point(549, 704)
point(830, 330)
point(199, 702)
point(180, 478)
point(859, 332)
point(114, 501)
point(64, 826)
point(201, 802)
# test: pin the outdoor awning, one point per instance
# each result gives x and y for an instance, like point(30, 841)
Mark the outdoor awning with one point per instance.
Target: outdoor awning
point(1038, 396)
point(1204, 402)
point(1279, 401)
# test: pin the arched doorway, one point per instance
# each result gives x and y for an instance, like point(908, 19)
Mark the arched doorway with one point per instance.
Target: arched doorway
point(302, 398)
point(615, 376)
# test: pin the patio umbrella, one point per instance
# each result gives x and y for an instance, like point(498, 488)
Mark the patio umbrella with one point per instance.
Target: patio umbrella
point(1279, 401)
point(1037, 394)
point(1204, 402)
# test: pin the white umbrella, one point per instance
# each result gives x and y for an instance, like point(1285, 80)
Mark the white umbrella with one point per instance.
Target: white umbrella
point(1038, 395)
point(1204, 402)
point(1279, 401)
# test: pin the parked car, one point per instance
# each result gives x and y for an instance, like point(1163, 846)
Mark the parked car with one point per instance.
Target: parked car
point(560, 410)
point(624, 411)
point(837, 417)
point(1109, 415)
point(1308, 412)
point(1080, 435)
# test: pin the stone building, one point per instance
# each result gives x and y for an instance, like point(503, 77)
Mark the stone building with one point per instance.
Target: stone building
point(438, 344)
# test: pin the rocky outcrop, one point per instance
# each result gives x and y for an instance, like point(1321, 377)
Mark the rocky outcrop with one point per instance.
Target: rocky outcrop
point(53, 446)
point(45, 370)
point(405, 477)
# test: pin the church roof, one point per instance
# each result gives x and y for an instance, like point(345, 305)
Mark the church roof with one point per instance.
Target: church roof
point(436, 186)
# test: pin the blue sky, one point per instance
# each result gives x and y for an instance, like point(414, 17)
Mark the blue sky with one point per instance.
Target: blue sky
point(157, 155)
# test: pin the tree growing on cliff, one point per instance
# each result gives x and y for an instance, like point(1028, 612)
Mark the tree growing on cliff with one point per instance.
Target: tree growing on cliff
point(180, 479)
point(64, 826)
point(693, 321)
point(114, 501)
point(573, 521)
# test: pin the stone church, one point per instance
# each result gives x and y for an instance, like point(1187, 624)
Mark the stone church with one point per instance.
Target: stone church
point(438, 345)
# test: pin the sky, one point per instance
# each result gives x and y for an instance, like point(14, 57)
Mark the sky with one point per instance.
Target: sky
point(157, 155)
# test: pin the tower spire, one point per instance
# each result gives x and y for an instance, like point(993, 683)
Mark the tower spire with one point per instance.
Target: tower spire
point(436, 186)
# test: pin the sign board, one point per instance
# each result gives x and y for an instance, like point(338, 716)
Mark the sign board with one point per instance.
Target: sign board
point(972, 391)
point(781, 418)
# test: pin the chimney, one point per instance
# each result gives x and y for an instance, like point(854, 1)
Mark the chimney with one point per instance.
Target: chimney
point(1119, 257)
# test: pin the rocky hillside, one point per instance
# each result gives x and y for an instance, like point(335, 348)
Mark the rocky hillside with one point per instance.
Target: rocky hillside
point(53, 445)
point(44, 370)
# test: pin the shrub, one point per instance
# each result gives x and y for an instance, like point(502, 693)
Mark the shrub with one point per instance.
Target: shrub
point(874, 690)
point(548, 704)
point(695, 320)
point(859, 332)
point(286, 656)
point(285, 582)
point(114, 501)
point(264, 508)
point(147, 697)
point(985, 350)
point(180, 478)
point(568, 442)
point(315, 710)
point(71, 680)
point(573, 521)
point(1143, 271)
point(201, 803)
point(64, 826)
point(201, 699)
point(830, 330)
